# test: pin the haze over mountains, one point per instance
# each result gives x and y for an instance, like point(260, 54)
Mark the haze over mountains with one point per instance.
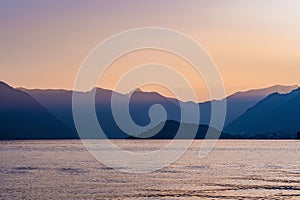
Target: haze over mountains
point(22, 117)
point(278, 116)
point(239, 102)
point(59, 103)
point(53, 109)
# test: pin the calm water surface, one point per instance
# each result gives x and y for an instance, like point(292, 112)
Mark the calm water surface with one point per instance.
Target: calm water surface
point(233, 170)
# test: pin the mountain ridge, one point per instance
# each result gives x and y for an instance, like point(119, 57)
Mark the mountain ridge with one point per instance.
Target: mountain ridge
point(58, 102)
point(22, 117)
point(277, 113)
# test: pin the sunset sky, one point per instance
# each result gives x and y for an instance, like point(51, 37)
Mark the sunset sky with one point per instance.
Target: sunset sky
point(255, 43)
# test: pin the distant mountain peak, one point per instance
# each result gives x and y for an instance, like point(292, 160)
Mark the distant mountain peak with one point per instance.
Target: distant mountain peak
point(264, 92)
point(5, 85)
point(281, 89)
point(136, 90)
point(276, 114)
point(293, 92)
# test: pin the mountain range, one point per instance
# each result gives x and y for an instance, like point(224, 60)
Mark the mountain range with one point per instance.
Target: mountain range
point(277, 116)
point(22, 117)
point(171, 129)
point(240, 102)
point(35, 113)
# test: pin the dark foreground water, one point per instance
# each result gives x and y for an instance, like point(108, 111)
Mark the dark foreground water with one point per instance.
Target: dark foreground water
point(233, 170)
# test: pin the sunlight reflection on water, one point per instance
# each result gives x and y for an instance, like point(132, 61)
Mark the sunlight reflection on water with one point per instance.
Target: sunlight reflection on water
point(234, 169)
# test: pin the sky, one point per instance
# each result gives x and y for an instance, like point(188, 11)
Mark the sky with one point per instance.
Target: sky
point(254, 43)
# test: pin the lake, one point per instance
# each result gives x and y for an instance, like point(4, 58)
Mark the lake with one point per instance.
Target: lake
point(235, 169)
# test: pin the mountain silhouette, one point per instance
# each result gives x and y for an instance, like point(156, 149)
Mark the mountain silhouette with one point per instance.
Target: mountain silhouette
point(59, 103)
point(240, 102)
point(38, 113)
point(169, 129)
point(276, 116)
point(22, 117)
